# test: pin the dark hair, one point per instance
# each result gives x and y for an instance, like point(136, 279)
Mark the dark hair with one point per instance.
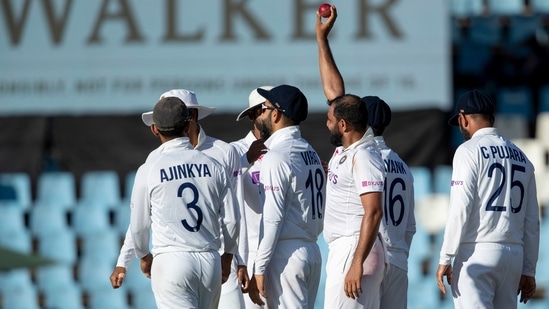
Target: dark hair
point(350, 108)
point(177, 132)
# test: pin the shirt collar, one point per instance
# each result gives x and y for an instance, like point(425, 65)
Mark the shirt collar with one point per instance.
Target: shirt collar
point(292, 132)
point(367, 137)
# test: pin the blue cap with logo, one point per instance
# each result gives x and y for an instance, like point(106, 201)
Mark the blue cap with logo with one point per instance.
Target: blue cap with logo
point(472, 102)
point(289, 100)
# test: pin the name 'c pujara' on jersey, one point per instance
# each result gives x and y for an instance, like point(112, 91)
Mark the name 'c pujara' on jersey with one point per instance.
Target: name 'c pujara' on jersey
point(502, 152)
point(184, 171)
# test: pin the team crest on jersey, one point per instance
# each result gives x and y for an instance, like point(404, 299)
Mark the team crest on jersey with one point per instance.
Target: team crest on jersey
point(342, 159)
point(255, 178)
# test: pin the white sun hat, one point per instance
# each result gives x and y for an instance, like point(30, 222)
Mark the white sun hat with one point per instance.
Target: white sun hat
point(254, 100)
point(188, 97)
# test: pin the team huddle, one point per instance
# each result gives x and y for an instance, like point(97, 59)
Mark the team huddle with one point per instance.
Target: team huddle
point(235, 225)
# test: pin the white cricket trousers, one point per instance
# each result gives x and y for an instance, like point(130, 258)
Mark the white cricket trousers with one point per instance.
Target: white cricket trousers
point(231, 291)
point(293, 275)
point(486, 275)
point(394, 288)
point(186, 280)
point(340, 256)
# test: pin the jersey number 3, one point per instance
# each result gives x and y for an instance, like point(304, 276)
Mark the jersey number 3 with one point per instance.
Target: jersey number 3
point(191, 206)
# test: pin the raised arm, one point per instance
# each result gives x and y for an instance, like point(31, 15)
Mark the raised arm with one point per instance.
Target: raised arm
point(332, 81)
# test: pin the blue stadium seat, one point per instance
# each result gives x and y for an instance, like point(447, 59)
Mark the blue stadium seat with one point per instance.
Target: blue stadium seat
point(506, 7)
point(52, 278)
point(104, 244)
point(12, 220)
point(431, 212)
point(59, 246)
point(102, 187)
point(512, 126)
point(515, 100)
point(144, 299)
point(21, 298)
point(463, 8)
point(319, 302)
point(68, 297)
point(485, 30)
point(90, 217)
point(540, 6)
point(128, 184)
point(93, 273)
point(14, 280)
point(472, 56)
point(108, 298)
point(422, 181)
point(46, 218)
point(135, 280)
point(20, 241)
point(419, 252)
point(442, 177)
point(20, 184)
point(122, 217)
point(542, 129)
point(543, 106)
point(523, 27)
point(57, 189)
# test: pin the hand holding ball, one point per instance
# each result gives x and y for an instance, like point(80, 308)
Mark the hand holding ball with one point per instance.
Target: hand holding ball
point(324, 10)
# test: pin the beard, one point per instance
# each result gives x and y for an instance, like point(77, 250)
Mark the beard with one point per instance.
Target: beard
point(336, 138)
point(264, 130)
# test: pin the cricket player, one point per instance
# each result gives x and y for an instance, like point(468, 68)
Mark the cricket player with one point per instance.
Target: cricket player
point(398, 223)
point(184, 201)
point(356, 175)
point(288, 261)
point(226, 155)
point(492, 230)
point(250, 148)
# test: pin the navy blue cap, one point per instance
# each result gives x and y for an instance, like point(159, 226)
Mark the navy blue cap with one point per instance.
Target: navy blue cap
point(472, 102)
point(379, 113)
point(289, 100)
point(170, 113)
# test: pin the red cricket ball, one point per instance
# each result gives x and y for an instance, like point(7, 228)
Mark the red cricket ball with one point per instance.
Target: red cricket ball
point(324, 10)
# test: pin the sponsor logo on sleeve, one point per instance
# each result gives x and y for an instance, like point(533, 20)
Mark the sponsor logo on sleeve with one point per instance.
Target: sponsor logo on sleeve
point(456, 183)
point(370, 183)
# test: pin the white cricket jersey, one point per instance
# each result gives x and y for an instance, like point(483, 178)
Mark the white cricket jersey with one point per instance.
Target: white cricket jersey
point(398, 225)
point(228, 157)
point(293, 186)
point(216, 149)
point(352, 171)
point(252, 204)
point(493, 198)
point(180, 194)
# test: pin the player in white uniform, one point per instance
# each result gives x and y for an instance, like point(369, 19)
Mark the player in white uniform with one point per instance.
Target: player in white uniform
point(288, 263)
point(398, 225)
point(227, 156)
point(250, 148)
point(183, 200)
point(356, 256)
point(492, 231)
